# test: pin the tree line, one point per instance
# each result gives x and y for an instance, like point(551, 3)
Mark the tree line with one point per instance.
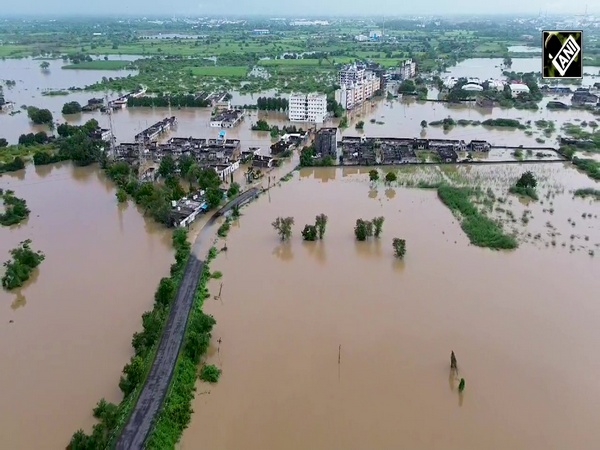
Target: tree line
point(272, 103)
point(163, 101)
point(15, 209)
point(111, 417)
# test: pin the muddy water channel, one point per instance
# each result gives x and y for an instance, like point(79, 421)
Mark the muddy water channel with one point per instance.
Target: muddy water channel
point(337, 345)
point(66, 335)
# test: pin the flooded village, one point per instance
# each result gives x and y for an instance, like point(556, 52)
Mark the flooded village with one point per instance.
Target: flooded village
point(352, 350)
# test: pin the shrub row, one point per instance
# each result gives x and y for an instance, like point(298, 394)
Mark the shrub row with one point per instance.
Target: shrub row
point(176, 411)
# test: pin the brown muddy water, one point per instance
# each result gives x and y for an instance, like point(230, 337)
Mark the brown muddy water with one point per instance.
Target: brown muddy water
point(337, 345)
point(66, 335)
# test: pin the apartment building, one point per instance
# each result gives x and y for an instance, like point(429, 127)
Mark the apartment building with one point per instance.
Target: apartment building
point(310, 108)
point(360, 85)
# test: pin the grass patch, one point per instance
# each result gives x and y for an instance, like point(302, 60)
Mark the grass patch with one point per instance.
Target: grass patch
point(590, 166)
point(588, 192)
point(220, 71)
point(99, 65)
point(481, 230)
point(524, 192)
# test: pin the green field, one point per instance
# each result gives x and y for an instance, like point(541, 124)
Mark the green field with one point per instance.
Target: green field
point(220, 71)
point(99, 65)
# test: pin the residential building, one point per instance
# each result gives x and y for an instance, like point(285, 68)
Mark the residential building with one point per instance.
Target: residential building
point(518, 88)
point(472, 87)
point(361, 38)
point(408, 69)
point(227, 119)
point(375, 35)
point(357, 84)
point(326, 142)
point(260, 32)
point(307, 108)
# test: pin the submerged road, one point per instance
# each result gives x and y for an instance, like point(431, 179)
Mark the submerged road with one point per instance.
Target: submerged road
point(153, 393)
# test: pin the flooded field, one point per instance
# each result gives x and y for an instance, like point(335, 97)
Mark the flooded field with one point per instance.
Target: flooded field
point(66, 335)
point(382, 118)
point(336, 344)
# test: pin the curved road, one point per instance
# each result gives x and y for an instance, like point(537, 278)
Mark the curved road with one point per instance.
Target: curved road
point(140, 421)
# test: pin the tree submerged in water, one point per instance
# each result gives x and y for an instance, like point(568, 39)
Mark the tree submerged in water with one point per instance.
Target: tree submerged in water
point(321, 224)
point(461, 385)
point(399, 247)
point(283, 225)
point(310, 233)
point(19, 269)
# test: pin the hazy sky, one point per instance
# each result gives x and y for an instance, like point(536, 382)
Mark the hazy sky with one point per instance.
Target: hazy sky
point(279, 7)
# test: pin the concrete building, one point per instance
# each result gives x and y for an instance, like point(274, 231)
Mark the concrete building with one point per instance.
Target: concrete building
point(375, 35)
point(357, 84)
point(326, 142)
point(227, 119)
point(472, 87)
point(408, 69)
point(310, 108)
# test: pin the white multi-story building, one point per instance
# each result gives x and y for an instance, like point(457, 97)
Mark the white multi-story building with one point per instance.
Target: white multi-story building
point(307, 108)
point(408, 69)
point(352, 73)
point(357, 88)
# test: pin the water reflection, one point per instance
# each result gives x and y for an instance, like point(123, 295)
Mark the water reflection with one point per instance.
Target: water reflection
point(461, 398)
point(121, 207)
point(452, 380)
point(372, 193)
point(19, 301)
point(284, 251)
point(43, 171)
point(327, 174)
point(317, 249)
point(390, 193)
point(368, 249)
point(398, 265)
point(19, 174)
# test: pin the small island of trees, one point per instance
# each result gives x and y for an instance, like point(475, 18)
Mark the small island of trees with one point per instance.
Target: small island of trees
point(19, 268)
point(15, 209)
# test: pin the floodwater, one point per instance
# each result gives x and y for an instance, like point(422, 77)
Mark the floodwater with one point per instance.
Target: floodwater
point(391, 118)
point(338, 345)
point(66, 335)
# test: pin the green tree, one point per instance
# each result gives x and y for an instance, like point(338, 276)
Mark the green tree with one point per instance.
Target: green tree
point(423, 124)
point(378, 226)
point(360, 230)
point(133, 374)
point(39, 116)
point(391, 177)
point(360, 125)
point(283, 226)
point(399, 247)
point(3, 143)
point(44, 65)
point(310, 233)
point(121, 196)
point(208, 178)
point(214, 197)
point(234, 189)
point(373, 175)
point(210, 373)
point(527, 180)
point(461, 385)
point(19, 268)
point(71, 108)
point(167, 166)
point(321, 224)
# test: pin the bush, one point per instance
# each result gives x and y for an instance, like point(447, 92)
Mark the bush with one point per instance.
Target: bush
point(71, 108)
point(399, 247)
point(15, 209)
point(310, 233)
point(210, 373)
point(224, 228)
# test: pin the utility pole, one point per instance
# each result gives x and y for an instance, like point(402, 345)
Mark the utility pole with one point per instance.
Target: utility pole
point(112, 150)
